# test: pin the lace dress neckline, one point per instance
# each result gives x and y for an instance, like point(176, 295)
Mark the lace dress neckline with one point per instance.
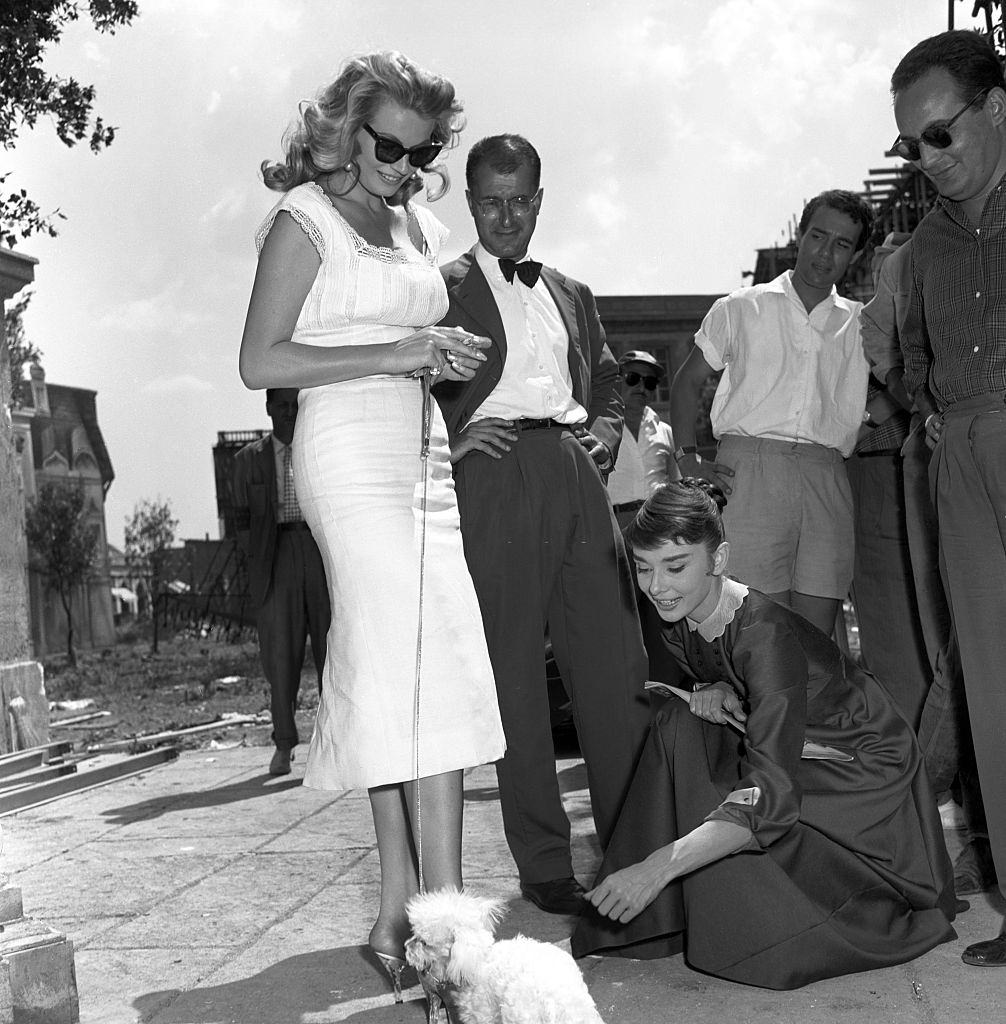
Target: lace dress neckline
point(384, 253)
point(711, 628)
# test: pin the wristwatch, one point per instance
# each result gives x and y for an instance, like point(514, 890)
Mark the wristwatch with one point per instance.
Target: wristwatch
point(686, 449)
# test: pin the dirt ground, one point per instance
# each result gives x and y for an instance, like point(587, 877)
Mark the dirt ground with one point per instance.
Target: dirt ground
point(196, 679)
point(191, 680)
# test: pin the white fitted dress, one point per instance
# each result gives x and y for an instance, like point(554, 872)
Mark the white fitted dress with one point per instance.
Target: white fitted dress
point(360, 484)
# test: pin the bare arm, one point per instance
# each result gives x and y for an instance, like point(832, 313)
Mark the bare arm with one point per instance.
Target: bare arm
point(287, 268)
point(685, 391)
point(624, 894)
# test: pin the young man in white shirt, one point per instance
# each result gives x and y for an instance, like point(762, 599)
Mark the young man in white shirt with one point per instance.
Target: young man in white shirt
point(787, 412)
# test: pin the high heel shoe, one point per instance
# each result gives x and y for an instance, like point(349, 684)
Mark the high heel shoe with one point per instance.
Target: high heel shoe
point(439, 1009)
point(395, 966)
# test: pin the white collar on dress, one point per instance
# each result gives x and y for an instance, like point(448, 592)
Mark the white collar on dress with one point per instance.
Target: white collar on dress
point(713, 626)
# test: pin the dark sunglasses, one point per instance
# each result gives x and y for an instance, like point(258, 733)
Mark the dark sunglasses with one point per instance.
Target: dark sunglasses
point(649, 382)
point(936, 135)
point(388, 151)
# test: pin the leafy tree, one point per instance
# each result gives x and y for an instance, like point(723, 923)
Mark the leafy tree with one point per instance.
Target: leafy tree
point(21, 350)
point(28, 92)
point(149, 533)
point(62, 545)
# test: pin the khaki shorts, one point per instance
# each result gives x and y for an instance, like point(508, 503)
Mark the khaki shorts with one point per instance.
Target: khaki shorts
point(789, 518)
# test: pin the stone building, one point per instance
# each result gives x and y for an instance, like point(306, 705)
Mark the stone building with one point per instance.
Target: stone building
point(665, 326)
point(58, 440)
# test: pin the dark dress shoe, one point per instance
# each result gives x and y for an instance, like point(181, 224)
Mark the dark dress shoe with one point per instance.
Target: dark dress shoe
point(559, 896)
point(974, 871)
point(991, 953)
point(280, 763)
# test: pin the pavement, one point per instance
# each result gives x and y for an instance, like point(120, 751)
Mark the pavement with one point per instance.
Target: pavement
point(205, 891)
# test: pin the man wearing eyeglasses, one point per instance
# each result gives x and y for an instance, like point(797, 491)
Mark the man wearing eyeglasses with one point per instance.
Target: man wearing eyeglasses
point(787, 411)
point(950, 108)
point(646, 454)
point(531, 435)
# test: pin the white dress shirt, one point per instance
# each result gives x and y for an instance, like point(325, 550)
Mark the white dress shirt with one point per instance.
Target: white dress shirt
point(643, 464)
point(788, 374)
point(535, 382)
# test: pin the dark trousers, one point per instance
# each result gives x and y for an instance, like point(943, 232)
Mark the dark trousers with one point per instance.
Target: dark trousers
point(296, 606)
point(968, 474)
point(944, 730)
point(883, 587)
point(543, 549)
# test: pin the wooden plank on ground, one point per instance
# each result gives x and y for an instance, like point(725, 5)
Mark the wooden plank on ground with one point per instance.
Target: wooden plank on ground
point(152, 739)
point(20, 760)
point(59, 723)
point(41, 773)
point(33, 796)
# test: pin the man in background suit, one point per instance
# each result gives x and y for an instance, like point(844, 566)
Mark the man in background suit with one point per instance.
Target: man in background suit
point(531, 435)
point(286, 578)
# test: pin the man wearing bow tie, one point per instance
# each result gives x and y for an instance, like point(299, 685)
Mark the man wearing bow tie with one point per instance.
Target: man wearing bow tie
point(532, 435)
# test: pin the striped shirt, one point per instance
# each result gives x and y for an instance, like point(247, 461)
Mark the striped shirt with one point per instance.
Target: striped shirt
point(955, 336)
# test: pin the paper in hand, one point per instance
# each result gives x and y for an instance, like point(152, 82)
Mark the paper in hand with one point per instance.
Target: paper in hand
point(811, 751)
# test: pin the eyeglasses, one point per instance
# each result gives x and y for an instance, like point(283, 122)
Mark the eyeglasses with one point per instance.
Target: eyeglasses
point(516, 206)
point(936, 135)
point(632, 378)
point(388, 151)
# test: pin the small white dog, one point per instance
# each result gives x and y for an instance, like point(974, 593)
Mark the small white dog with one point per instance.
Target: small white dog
point(514, 981)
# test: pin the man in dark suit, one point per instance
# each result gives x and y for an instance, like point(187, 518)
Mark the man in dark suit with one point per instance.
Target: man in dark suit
point(531, 435)
point(286, 578)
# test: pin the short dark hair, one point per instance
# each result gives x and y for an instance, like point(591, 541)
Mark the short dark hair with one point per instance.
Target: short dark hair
point(966, 56)
point(686, 512)
point(503, 153)
point(845, 202)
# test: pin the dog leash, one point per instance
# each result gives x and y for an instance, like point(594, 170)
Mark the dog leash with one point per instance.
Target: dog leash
point(424, 457)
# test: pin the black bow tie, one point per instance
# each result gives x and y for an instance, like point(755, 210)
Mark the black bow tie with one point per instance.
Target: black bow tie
point(528, 271)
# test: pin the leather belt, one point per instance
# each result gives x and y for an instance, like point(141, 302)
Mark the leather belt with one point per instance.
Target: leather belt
point(524, 423)
point(297, 524)
point(627, 506)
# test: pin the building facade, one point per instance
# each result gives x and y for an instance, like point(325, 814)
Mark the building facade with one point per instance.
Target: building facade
point(58, 440)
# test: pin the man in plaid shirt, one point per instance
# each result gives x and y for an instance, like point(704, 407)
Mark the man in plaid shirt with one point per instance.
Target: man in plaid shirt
point(950, 107)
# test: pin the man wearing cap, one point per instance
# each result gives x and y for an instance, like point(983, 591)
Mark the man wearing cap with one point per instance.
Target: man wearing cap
point(646, 454)
point(787, 412)
point(531, 435)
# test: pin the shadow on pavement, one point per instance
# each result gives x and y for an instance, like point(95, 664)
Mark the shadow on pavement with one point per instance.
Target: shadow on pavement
point(260, 785)
point(297, 988)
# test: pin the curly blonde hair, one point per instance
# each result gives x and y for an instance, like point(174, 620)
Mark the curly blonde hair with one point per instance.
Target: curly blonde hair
point(323, 138)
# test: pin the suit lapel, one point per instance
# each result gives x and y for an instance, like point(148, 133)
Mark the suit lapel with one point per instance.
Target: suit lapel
point(565, 302)
point(473, 294)
point(269, 469)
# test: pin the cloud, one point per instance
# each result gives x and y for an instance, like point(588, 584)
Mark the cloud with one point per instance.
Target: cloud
point(165, 387)
point(94, 53)
point(213, 105)
point(605, 208)
point(230, 206)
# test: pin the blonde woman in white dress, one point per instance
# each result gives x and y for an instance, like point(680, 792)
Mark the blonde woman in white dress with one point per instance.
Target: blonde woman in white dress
point(346, 288)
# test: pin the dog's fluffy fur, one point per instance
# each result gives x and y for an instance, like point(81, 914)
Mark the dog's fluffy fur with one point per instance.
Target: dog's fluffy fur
point(514, 981)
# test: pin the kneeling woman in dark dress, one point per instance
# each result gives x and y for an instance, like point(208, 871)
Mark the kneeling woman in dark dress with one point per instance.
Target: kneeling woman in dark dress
point(799, 843)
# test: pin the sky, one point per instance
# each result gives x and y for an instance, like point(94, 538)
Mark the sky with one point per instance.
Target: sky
point(676, 136)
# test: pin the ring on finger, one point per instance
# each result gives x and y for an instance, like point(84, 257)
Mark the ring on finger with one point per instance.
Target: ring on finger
point(435, 371)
